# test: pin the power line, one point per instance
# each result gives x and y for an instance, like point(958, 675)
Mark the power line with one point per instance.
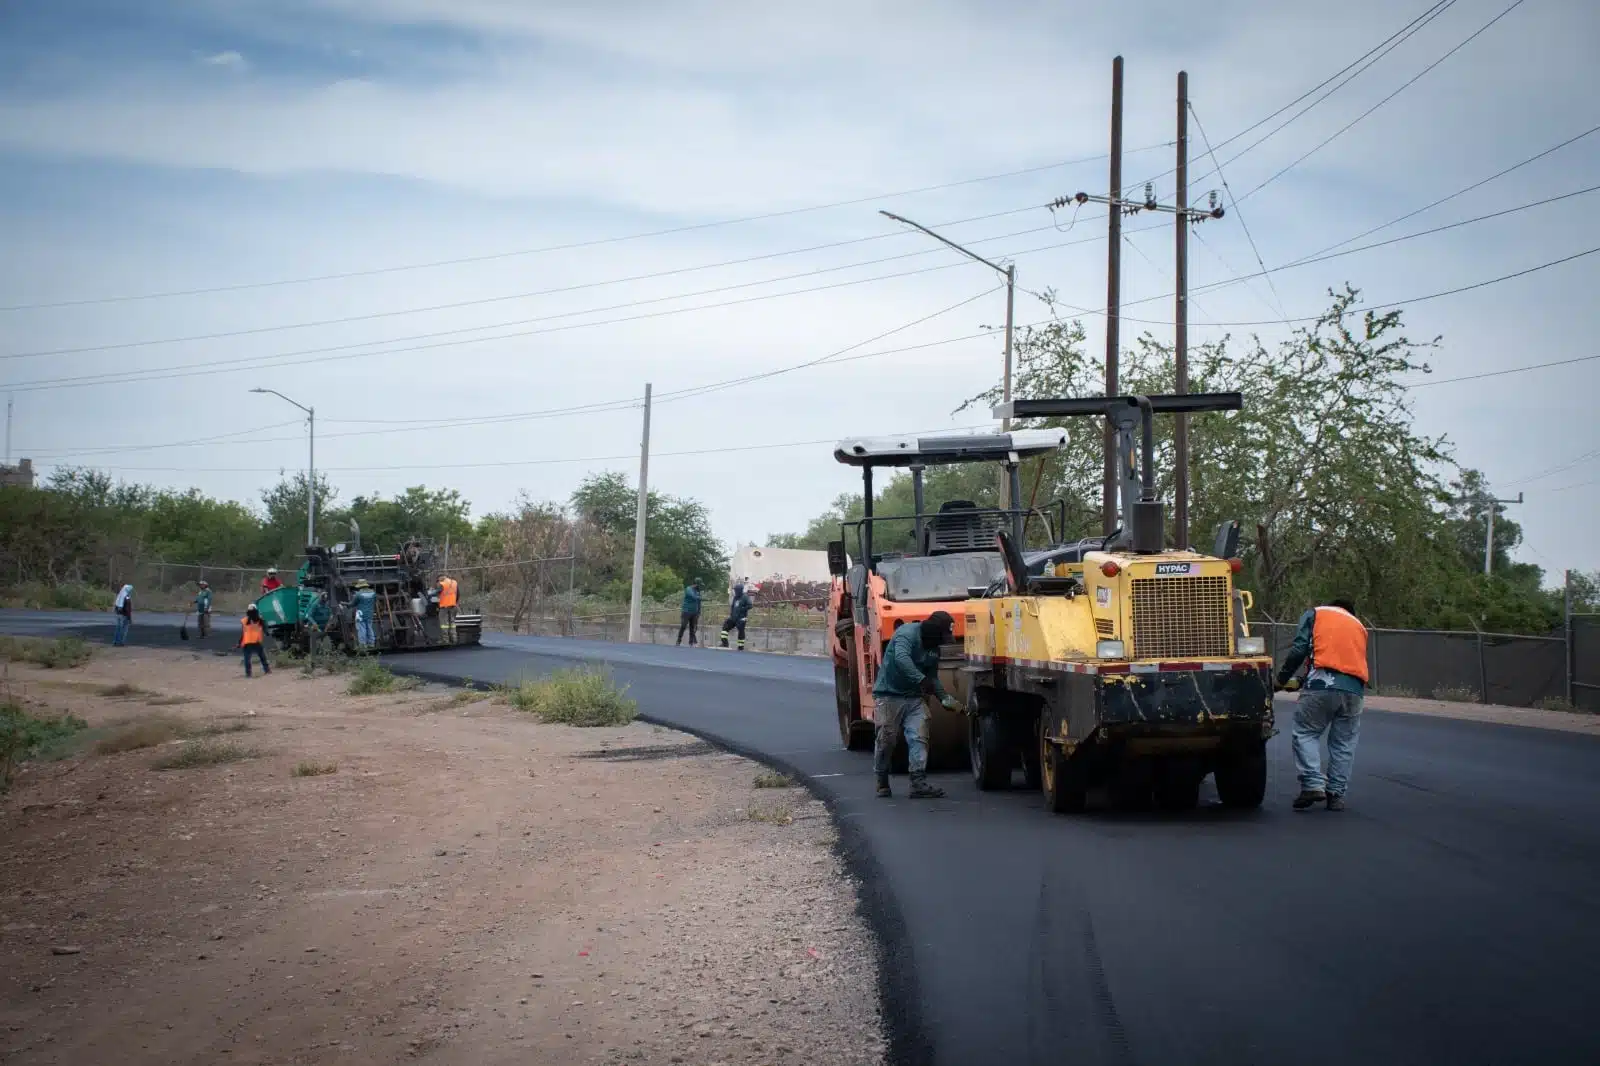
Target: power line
point(215, 366)
point(1502, 373)
point(1459, 192)
point(1228, 189)
point(348, 319)
point(597, 242)
point(1417, 77)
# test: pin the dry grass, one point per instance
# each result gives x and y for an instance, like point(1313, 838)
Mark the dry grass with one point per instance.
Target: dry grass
point(1456, 694)
point(315, 769)
point(170, 701)
point(62, 654)
point(207, 752)
point(121, 691)
point(771, 813)
point(772, 779)
point(140, 733)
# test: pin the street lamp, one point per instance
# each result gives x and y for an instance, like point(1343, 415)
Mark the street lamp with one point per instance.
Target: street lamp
point(1010, 272)
point(311, 465)
point(1010, 298)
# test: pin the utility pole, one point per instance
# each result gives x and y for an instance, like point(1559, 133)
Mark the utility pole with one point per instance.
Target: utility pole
point(1488, 540)
point(1116, 208)
point(635, 602)
point(1180, 322)
point(1108, 492)
point(11, 403)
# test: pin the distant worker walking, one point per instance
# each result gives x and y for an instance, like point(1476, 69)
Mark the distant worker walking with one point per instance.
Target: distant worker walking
point(123, 606)
point(202, 609)
point(689, 612)
point(270, 583)
point(365, 602)
point(1335, 642)
point(738, 614)
point(448, 591)
point(910, 674)
point(253, 639)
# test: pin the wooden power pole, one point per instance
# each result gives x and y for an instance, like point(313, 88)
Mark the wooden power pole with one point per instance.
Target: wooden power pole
point(1180, 322)
point(1108, 497)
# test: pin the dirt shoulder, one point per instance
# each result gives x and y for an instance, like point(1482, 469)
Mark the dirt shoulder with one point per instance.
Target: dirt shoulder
point(464, 885)
point(1532, 717)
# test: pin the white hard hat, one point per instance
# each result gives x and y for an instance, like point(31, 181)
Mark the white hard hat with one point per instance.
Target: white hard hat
point(272, 569)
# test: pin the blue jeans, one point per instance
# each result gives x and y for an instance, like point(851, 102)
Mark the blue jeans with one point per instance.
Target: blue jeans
point(364, 634)
point(261, 652)
point(893, 715)
point(124, 623)
point(1338, 714)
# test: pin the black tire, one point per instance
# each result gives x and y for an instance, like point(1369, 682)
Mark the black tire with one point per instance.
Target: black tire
point(854, 734)
point(1177, 784)
point(1241, 777)
point(990, 752)
point(1033, 757)
point(1060, 779)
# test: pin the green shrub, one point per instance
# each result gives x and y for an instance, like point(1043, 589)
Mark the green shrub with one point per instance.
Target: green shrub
point(772, 779)
point(315, 769)
point(202, 753)
point(1559, 703)
point(582, 696)
point(140, 733)
point(25, 736)
point(61, 654)
point(372, 677)
point(38, 596)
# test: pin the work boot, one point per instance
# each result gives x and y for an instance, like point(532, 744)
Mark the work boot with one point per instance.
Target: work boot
point(1336, 801)
point(920, 789)
point(1309, 798)
point(883, 786)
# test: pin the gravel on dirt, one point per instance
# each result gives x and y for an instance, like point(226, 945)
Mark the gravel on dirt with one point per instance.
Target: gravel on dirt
point(468, 886)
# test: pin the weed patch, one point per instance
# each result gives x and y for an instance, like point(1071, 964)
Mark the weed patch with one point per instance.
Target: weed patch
point(141, 733)
point(772, 813)
point(1559, 703)
point(122, 691)
point(583, 696)
point(371, 678)
point(1398, 692)
point(170, 701)
point(315, 769)
point(1456, 694)
point(772, 779)
point(219, 726)
point(26, 736)
point(61, 654)
point(196, 753)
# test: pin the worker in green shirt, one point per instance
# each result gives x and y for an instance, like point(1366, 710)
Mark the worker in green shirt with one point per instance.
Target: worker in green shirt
point(909, 675)
point(365, 602)
point(202, 608)
point(689, 613)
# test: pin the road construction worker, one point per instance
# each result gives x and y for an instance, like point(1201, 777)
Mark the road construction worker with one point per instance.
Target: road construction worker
point(365, 602)
point(910, 674)
point(689, 612)
point(448, 590)
point(738, 614)
point(1333, 639)
point(270, 583)
point(253, 639)
point(202, 609)
point(123, 607)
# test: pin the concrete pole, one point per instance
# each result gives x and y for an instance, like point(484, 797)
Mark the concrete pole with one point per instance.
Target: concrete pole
point(311, 478)
point(636, 601)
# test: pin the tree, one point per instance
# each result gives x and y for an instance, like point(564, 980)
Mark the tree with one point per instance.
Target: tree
point(678, 531)
point(434, 515)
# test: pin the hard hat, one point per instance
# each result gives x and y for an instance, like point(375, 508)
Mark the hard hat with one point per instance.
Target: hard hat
point(204, 583)
point(272, 569)
point(362, 584)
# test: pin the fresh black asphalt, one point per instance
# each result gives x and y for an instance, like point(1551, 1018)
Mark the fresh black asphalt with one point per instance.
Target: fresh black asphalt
point(1449, 916)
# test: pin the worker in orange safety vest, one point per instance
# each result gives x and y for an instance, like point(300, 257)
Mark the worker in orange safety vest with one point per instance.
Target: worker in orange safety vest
point(448, 593)
point(253, 639)
point(1334, 641)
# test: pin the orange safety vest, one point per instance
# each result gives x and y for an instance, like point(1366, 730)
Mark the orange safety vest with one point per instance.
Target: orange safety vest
point(1339, 642)
point(253, 632)
point(447, 592)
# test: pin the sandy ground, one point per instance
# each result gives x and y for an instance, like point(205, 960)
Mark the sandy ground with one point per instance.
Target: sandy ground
point(1566, 721)
point(468, 886)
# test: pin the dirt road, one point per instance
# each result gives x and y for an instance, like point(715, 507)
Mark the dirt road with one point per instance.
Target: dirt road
point(460, 884)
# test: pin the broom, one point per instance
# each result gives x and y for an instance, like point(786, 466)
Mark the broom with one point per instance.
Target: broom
point(183, 630)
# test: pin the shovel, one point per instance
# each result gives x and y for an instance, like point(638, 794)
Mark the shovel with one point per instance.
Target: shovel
point(183, 630)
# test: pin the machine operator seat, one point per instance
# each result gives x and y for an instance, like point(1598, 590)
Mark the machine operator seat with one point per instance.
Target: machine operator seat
point(960, 526)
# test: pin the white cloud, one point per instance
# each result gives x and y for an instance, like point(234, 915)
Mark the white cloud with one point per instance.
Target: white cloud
point(230, 60)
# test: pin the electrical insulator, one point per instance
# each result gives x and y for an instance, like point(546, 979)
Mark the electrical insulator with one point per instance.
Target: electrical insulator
point(1213, 199)
point(1149, 196)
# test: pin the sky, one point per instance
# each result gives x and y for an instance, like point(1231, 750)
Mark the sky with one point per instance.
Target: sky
point(469, 232)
